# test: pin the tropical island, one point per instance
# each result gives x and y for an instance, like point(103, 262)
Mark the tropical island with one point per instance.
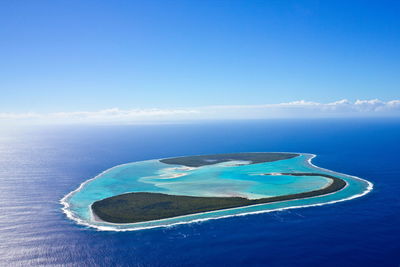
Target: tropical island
point(145, 206)
point(169, 191)
point(148, 206)
point(251, 158)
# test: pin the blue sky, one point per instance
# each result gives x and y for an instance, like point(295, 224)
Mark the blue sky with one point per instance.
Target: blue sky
point(66, 56)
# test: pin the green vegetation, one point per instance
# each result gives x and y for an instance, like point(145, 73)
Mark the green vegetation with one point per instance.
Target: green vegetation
point(198, 161)
point(143, 206)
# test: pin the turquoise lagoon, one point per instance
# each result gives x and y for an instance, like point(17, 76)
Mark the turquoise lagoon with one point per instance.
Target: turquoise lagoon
point(234, 178)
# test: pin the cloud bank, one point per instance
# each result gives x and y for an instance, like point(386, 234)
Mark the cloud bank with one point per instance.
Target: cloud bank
point(295, 109)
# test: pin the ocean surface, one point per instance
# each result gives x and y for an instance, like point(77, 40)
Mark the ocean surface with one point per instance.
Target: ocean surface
point(40, 165)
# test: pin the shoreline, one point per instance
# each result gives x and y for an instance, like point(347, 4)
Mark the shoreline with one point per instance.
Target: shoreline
point(136, 227)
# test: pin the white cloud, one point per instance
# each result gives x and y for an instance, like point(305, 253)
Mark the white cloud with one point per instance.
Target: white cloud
point(295, 109)
point(119, 114)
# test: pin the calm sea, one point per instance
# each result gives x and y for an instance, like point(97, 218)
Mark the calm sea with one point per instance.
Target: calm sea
point(38, 166)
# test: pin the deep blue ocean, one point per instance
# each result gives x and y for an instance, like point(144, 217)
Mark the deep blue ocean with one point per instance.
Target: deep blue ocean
point(39, 165)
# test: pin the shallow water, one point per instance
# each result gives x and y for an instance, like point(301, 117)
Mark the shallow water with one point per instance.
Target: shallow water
point(39, 166)
point(218, 180)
